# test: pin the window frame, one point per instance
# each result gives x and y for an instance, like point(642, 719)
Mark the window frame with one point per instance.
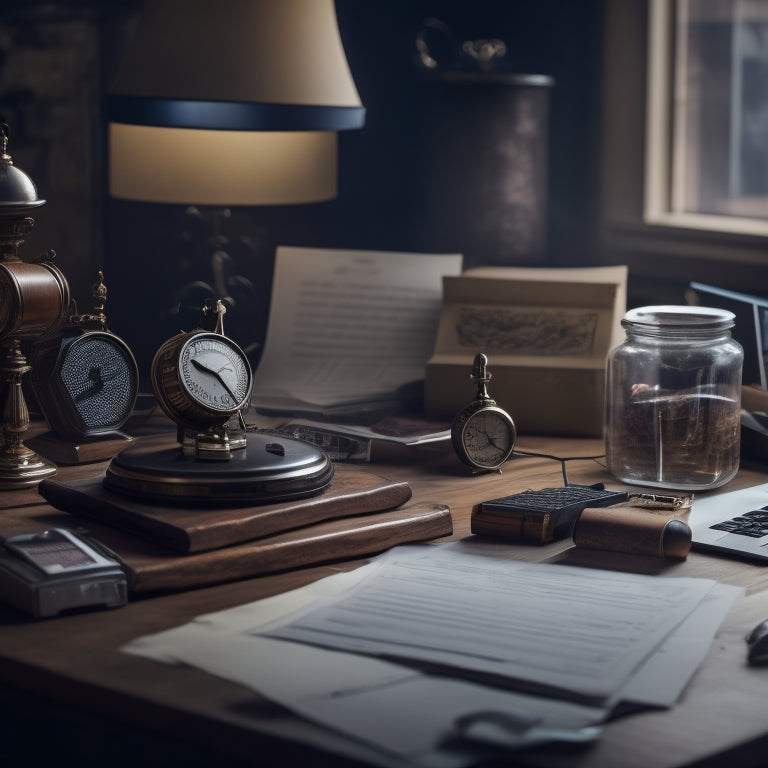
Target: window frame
point(659, 135)
point(632, 226)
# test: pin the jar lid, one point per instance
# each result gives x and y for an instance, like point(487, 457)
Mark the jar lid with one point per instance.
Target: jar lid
point(684, 317)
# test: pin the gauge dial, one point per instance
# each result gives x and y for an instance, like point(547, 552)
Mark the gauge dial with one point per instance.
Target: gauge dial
point(201, 378)
point(85, 383)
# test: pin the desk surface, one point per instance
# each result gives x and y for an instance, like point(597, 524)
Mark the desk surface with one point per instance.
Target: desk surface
point(74, 661)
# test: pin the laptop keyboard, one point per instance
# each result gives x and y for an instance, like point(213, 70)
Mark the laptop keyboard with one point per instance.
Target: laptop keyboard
point(754, 524)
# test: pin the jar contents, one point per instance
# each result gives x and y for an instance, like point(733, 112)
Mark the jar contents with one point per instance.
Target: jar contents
point(681, 439)
point(673, 399)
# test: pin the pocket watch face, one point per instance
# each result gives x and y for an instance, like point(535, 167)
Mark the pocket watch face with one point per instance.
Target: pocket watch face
point(215, 373)
point(486, 438)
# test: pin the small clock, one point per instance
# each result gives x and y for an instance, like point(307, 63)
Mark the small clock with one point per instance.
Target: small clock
point(85, 382)
point(201, 378)
point(85, 378)
point(483, 434)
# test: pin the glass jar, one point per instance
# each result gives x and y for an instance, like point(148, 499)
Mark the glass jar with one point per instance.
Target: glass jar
point(673, 399)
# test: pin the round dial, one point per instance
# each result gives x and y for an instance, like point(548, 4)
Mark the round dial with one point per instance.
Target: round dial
point(99, 374)
point(484, 437)
point(201, 378)
point(86, 383)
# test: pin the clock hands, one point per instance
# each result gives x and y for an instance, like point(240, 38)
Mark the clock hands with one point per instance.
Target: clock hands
point(216, 374)
point(94, 375)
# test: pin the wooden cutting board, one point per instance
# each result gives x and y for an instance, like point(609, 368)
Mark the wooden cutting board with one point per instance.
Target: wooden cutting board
point(354, 491)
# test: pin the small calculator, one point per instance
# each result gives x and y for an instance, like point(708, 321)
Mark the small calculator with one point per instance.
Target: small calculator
point(540, 516)
point(58, 570)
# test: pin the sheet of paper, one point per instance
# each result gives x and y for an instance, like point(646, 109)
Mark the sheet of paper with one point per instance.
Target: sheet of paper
point(551, 628)
point(399, 712)
point(348, 326)
point(395, 709)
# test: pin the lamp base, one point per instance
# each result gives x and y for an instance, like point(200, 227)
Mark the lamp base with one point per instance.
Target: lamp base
point(21, 467)
point(269, 469)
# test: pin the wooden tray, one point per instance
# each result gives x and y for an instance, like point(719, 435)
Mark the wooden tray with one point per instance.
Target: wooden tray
point(354, 491)
point(153, 568)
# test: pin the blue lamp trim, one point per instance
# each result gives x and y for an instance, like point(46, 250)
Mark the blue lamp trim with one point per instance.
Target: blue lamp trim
point(231, 116)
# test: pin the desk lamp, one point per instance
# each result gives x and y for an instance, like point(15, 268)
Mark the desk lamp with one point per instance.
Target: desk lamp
point(229, 104)
point(233, 103)
point(224, 104)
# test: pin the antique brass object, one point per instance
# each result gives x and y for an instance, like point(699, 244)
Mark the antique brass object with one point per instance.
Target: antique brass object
point(33, 301)
point(483, 434)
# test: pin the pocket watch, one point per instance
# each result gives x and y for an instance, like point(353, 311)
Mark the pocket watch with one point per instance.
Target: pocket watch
point(483, 434)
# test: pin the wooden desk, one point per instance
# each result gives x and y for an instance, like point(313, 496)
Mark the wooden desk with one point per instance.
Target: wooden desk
point(68, 674)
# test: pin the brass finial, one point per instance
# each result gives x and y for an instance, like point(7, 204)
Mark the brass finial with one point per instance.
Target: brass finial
point(481, 376)
point(99, 295)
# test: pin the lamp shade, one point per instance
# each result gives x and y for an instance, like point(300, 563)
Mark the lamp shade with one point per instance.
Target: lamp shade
point(231, 103)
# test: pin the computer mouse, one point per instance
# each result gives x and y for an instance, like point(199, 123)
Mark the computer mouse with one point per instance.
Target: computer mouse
point(757, 644)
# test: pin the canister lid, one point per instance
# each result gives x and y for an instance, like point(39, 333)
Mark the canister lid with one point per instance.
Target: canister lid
point(683, 317)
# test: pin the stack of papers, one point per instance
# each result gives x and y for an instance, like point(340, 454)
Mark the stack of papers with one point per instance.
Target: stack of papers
point(401, 652)
point(348, 330)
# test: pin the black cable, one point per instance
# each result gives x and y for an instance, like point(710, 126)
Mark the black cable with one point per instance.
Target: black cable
point(561, 459)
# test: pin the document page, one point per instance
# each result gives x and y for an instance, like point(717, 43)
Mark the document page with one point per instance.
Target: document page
point(407, 715)
point(348, 326)
point(550, 628)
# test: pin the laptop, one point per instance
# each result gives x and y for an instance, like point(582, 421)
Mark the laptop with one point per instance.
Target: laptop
point(733, 523)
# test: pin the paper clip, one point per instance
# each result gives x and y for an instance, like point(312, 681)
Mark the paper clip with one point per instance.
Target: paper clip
point(659, 501)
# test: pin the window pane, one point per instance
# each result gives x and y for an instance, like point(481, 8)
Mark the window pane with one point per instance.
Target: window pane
point(720, 131)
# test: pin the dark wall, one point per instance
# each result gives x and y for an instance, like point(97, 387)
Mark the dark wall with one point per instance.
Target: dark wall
point(386, 182)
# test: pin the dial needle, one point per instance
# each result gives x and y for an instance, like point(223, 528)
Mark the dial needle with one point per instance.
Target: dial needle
point(200, 367)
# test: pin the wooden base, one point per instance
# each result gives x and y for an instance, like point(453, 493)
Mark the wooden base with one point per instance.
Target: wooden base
point(190, 528)
point(67, 451)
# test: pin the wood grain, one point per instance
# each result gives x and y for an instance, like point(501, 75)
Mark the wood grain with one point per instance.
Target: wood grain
point(76, 660)
point(354, 491)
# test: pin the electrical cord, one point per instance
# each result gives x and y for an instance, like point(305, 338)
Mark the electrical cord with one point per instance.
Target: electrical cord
point(562, 459)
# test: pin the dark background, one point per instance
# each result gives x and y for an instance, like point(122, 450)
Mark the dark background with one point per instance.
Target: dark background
point(58, 58)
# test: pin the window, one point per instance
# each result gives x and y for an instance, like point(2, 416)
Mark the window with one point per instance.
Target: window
point(707, 115)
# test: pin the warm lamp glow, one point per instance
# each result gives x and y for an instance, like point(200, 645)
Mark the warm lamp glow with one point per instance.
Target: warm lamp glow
point(222, 168)
point(231, 103)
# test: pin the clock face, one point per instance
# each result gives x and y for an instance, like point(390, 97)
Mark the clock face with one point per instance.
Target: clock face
point(201, 379)
point(99, 376)
point(85, 382)
point(215, 373)
point(485, 438)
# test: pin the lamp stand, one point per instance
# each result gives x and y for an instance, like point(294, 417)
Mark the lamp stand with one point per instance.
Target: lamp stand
point(19, 466)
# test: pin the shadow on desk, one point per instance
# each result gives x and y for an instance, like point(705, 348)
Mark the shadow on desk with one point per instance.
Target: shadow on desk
point(614, 561)
point(37, 733)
